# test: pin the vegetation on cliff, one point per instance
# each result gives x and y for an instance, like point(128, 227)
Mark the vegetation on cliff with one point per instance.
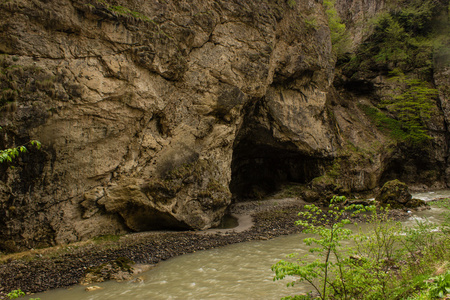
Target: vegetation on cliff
point(339, 38)
point(403, 46)
point(8, 154)
point(405, 37)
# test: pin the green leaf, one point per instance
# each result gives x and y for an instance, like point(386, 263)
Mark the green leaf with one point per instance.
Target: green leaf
point(36, 143)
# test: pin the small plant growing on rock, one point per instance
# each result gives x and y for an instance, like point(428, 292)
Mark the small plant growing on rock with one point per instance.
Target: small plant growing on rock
point(7, 155)
point(291, 3)
point(18, 293)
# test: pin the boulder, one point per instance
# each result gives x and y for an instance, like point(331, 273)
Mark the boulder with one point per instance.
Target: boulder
point(396, 194)
point(118, 270)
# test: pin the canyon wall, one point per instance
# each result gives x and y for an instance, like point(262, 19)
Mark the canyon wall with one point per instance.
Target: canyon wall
point(156, 114)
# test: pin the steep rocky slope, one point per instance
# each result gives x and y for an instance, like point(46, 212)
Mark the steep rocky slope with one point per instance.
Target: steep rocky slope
point(399, 54)
point(154, 115)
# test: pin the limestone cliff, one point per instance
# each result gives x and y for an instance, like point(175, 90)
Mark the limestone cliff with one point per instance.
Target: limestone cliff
point(375, 73)
point(153, 114)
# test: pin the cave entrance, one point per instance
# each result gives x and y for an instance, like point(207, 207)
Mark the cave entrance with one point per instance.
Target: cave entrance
point(260, 170)
point(413, 167)
point(262, 164)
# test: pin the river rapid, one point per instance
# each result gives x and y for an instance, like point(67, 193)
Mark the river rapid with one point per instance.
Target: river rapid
point(239, 271)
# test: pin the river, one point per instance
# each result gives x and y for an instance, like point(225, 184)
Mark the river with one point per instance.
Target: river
point(239, 271)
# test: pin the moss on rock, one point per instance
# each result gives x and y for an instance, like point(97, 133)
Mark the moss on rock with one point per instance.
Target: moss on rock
point(396, 194)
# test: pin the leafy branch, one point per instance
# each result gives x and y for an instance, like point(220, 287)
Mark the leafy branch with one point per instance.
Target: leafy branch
point(7, 155)
point(329, 226)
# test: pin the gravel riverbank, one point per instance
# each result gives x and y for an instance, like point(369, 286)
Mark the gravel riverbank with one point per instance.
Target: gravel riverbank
point(45, 269)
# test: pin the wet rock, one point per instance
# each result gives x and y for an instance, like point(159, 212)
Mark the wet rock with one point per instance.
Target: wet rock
point(416, 203)
point(140, 268)
point(119, 270)
point(93, 288)
point(310, 196)
point(396, 194)
point(139, 279)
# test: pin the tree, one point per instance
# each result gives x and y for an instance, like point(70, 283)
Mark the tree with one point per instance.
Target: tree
point(328, 224)
point(413, 107)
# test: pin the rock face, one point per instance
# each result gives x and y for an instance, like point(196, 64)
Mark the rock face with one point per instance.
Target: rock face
point(147, 111)
point(119, 270)
point(153, 115)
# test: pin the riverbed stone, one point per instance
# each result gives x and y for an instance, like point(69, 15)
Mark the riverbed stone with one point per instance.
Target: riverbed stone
point(396, 194)
point(93, 288)
point(119, 270)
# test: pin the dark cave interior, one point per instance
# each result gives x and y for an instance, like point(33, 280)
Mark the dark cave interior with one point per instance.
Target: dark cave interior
point(262, 164)
point(260, 170)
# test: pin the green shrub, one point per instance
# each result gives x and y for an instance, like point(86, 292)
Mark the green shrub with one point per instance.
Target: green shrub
point(387, 261)
point(405, 115)
point(328, 225)
point(15, 294)
point(18, 293)
point(404, 37)
point(339, 39)
point(385, 122)
point(413, 108)
point(7, 155)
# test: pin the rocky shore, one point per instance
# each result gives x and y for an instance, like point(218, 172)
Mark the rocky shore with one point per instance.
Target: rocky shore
point(63, 266)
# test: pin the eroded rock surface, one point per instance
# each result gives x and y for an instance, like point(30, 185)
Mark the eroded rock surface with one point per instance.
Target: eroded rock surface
point(138, 109)
point(154, 115)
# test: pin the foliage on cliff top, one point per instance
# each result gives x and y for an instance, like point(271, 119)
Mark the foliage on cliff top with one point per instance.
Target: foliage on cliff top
point(405, 37)
point(405, 42)
point(339, 38)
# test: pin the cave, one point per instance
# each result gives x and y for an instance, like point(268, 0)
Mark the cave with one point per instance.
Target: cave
point(413, 166)
point(262, 164)
point(260, 170)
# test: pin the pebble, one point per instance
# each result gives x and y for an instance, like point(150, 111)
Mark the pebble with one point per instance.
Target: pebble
point(93, 288)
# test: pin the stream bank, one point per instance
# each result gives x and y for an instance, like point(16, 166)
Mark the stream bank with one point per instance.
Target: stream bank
point(45, 269)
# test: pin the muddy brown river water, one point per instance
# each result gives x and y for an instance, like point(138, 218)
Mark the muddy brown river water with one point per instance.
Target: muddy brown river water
point(240, 271)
